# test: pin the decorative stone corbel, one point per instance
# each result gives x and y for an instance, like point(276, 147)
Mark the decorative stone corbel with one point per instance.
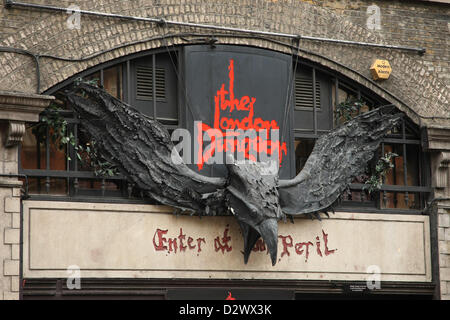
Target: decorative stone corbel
point(16, 109)
point(443, 172)
point(16, 131)
point(436, 139)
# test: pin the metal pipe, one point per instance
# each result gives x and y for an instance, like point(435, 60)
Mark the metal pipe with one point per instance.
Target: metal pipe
point(162, 21)
point(80, 59)
point(36, 61)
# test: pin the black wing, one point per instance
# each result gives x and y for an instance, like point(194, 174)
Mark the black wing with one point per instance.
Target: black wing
point(337, 158)
point(142, 150)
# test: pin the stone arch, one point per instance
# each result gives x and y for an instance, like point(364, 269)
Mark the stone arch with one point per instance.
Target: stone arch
point(420, 95)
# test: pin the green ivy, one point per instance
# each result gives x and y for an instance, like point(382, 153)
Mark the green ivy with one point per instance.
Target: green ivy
point(53, 124)
point(348, 109)
point(92, 82)
point(383, 166)
point(101, 166)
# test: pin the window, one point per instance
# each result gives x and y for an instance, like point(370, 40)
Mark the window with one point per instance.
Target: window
point(150, 82)
point(405, 187)
point(312, 94)
point(153, 86)
point(48, 167)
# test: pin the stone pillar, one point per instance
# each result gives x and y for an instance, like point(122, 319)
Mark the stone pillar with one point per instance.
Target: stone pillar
point(439, 143)
point(443, 193)
point(15, 111)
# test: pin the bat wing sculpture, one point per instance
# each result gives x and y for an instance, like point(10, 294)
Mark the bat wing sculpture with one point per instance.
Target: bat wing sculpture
point(142, 150)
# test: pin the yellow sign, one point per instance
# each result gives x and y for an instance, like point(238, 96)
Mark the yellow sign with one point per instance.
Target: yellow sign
point(380, 69)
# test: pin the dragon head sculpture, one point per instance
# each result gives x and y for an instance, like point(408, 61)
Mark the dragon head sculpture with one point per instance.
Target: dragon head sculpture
point(253, 199)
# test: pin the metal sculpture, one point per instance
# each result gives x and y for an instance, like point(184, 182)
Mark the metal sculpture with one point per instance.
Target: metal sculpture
point(142, 150)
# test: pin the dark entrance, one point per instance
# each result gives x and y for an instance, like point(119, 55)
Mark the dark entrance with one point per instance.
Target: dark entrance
point(188, 289)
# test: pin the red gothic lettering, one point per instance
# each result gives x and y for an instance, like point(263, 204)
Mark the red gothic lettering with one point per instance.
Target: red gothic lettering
point(160, 246)
point(182, 242)
point(199, 241)
point(223, 245)
point(298, 248)
point(285, 244)
point(325, 239)
point(228, 142)
point(318, 246)
point(176, 244)
point(173, 245)
point(189, 243)
point(259, 246)
point(181, 238)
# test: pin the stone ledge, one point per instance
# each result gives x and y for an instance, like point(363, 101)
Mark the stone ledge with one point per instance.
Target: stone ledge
point(18, 106)
point(10, 183)
point(437, 138)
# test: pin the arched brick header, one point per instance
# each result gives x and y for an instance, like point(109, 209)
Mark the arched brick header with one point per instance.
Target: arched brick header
point(411, 88)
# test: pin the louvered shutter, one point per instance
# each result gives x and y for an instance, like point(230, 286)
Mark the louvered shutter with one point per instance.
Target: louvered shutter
point(144, 83)
point(304, 92)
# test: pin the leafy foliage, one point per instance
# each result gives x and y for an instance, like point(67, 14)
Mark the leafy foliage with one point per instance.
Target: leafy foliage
point(88, 154)
point(383, 166)
point(53, 124)
point(92, 82)
point(348, 109)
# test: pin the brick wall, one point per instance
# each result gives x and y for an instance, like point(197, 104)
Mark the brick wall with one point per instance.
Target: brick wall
point(418, 85)
point(444, 251)
point(408, 23)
